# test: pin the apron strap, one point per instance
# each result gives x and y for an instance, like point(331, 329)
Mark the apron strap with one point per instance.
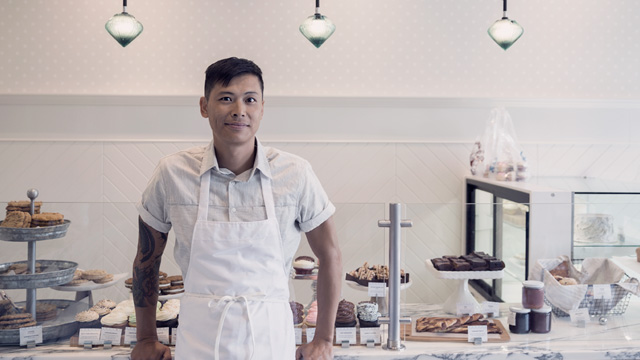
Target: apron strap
point(230, 300)
point(203, 201)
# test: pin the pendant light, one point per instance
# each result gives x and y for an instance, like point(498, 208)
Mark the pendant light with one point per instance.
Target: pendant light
point(317, 28)
point(123, 27)
point(505, 31)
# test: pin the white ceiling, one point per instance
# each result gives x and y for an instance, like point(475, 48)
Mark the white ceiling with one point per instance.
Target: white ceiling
point(582, 49)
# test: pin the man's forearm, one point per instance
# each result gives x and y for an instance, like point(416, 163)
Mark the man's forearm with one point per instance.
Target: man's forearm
point(328, 290)
point(146, 267)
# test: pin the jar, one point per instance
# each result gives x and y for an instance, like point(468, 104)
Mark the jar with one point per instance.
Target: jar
point(532, 294)
point(519, 320)
point(541, 320)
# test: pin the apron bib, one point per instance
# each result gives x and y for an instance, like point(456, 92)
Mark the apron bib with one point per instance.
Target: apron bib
point(236, 300)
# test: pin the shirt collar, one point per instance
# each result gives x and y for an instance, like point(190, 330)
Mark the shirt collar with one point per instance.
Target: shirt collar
point(209, 161)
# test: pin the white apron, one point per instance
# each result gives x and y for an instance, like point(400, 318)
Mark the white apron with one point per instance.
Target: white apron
point(236, 301)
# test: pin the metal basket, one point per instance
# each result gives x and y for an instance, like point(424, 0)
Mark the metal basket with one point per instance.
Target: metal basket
point(617, 305)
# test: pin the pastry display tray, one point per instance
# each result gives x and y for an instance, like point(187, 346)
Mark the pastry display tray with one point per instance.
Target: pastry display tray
point(34, 234)
point(54, 272)
point(356, 286)
point(60, 328)
point(90, 285)
point(460, 275)
point(431, 336)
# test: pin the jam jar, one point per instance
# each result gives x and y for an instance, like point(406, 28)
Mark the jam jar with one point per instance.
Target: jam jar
point(532, 294)
point(519, 320)
point(540, 321)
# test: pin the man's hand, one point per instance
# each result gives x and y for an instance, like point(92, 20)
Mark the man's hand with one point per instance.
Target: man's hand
point(315, 350)
point(150, 350)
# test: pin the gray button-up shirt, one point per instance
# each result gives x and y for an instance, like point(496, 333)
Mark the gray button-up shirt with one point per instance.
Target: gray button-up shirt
point(171, 197)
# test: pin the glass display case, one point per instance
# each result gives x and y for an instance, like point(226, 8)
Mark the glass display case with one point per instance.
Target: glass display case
point(544, 218)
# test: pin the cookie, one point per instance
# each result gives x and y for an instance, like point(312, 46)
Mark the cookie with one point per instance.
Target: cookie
point(128, 283)
point(47, 219)
point(94, 274)
point(105, 279)
point(16, 219)
point(77, 282)
point(77, 274)
point(24, 205)
point(18, 325)
point(15, 317)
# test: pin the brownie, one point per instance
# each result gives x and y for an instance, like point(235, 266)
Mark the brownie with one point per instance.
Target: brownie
point(496, 264)
point(460, 265)
point(441, 264)
point(478, 264)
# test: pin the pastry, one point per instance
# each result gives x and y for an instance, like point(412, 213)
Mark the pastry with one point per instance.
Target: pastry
point(346, 316)
point(46, 311)
point(304, 265)
point(312, 315)
point(368, 314)
point(128, 283)
point(110, 304)
point(476, 261)
point(177, 289)
point(88, 319)
point(47, 219)
point(104, 280)
point(167, 315)
point(16, 219)
point(16, 321)
point(298, 313)
point(175, 280)
point(376, 273)
point(164, 284)
point(115, 319)
point(454, 325)
point(25, 206)
point(94, 274)
point(100, 310)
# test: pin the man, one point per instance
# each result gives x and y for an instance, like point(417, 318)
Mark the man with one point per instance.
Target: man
point(237, 209)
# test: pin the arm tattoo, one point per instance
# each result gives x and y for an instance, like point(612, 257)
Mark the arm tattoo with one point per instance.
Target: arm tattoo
point(146, 265)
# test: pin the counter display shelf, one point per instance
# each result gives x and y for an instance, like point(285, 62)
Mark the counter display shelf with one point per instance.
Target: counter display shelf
point(618, 339)
point(383, 306)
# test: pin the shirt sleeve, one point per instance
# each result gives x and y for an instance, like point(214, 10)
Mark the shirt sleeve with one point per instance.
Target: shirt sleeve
point(152, 206)
point(314, 206)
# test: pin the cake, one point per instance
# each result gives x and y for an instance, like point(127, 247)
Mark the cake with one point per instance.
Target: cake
point(304, 265)
point(346, 315)
point(115, 319)
point(298, 313)
point(368, 314)
point(312, 315)
point(88, 319)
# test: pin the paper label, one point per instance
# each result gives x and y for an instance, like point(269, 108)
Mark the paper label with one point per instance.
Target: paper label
point(311, 332)
point(602, 291)
point(163, 335)
point(346, 334)
point(129, 335)
point(89, 335)
point(174, 335)
point(477, 331)
point(298, 333)
point(111, 334)
point(465, 309)
point(377, 289)
point(372, 333)
point(581, 314)
point(512, 318)
point(489, 307)
point(31, 333)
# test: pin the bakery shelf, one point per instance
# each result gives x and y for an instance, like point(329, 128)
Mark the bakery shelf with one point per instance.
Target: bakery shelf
point(34, 234)
point(383, 306)
point(62, 327)
point(54, 272)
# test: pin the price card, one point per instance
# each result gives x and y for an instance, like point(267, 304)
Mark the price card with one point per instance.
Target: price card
point(490, 307)
point(465, 308)
point(174, 335)
point(346, 334)
point(111, 334)
point(512, 318)
point(477, 331)
point(129, 335)
point(602, 291)
point(163, 335)
point(89, 335)
point(578, 315)
point(298, 333)
point(32, 333)
point(377, 289)
point(311, 332)
point(372, 333)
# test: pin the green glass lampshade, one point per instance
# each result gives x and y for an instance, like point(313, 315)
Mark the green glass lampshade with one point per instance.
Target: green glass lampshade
point(317, 29)
point(505, 32)
point(124, 28)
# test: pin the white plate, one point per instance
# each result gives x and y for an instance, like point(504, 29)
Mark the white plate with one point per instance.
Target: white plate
point(357, 286)
point(460, 275)
point(90, 285)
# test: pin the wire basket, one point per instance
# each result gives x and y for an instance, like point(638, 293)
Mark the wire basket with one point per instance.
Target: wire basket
point(617, 305)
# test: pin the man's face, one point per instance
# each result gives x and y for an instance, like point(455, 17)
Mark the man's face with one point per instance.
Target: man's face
point(234, 111)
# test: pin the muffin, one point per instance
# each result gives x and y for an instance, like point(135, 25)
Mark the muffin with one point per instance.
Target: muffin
point(368, 314)
point(312, 315)
point(88, 319)
point(346, 316)
point(115, 319)
point(304, 265)
point(298, 313)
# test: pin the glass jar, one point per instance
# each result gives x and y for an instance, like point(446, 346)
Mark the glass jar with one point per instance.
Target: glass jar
point(541, 320)
point(519, 320)
point(532, 294)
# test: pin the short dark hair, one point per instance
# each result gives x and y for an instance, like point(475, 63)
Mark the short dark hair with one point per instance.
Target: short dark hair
point(223, 71)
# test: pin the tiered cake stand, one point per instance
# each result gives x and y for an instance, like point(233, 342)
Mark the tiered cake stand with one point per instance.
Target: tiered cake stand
point(383, 306)
point(53, 272)
point(462, 295)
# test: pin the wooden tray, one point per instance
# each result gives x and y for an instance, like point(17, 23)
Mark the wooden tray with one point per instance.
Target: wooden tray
point(429, 336)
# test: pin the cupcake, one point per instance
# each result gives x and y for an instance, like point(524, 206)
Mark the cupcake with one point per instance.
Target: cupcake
point(304, 265)
point(368, 314)
point(312, 315)
point(298, 312)
point(88, 319)
point(109, 304)
point(346, 316)
point(131, 321)
point(166, 318)
point(115, 319)
point(100, 310)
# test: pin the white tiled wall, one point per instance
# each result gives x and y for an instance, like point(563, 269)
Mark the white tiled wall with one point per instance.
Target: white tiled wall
point(96, 184)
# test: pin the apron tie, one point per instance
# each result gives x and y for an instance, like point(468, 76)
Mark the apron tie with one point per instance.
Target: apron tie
point(230, 300)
